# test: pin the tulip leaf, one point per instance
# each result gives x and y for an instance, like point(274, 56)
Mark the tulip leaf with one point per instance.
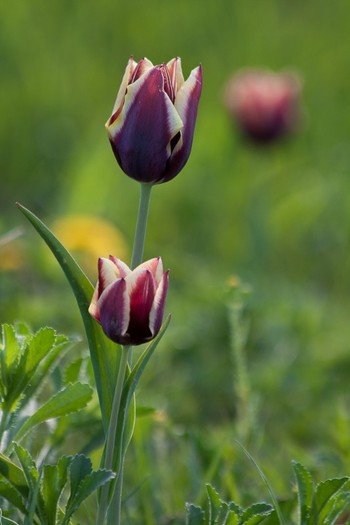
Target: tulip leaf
point(127, 410)
point(72, 398)
point(104, 354)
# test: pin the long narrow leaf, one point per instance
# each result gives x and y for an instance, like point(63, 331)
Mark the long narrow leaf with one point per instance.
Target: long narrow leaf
point(104, 354)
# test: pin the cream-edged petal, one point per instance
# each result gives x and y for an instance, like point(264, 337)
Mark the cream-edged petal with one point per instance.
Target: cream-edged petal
point(123, 268)
point(108, 272)
point(142, 66)
point(129, 70)
point(186, 104)
point(175, 71)
point(93, 308)
point(158, 306)
point(155, 266)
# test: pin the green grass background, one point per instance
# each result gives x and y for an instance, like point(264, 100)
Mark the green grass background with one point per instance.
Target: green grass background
point(277, 217)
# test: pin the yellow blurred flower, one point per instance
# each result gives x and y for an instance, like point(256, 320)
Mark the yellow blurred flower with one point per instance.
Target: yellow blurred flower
point(88, 238)
point(12, 255)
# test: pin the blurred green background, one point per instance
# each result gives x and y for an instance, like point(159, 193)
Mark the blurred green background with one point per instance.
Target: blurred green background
point(276, 217)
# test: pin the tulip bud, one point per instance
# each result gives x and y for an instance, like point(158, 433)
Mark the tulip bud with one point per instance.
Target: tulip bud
point(152, 123)
point(129, 304)
point(265, 105)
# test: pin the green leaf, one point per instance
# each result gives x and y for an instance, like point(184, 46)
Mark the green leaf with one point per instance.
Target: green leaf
point(72, 398)
point(214, 503)
point(12, 495)
point(86, 487)
point(126, 417)
point(52, 484)
point(28, 465)
point(324, 496)
point(80, 467)
point(6, 521)
point(305, 490)
point(13, 474)
point(256, 513)
point(340, 508)
point(104, 354)
point(195, 515)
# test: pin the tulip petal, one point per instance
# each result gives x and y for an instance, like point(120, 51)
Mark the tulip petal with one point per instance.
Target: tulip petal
point(142, 66)
point(114, 308)
point(108, 272)
point(157, 310)
point(155, 266)
point(175, 72)
point(93, 308)
point(141, 290)
point(186, 104)
point(129, 70)
point(123, 268)
point(141, 134)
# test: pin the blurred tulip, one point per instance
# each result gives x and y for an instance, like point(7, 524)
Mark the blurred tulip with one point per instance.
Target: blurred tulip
point(153, 119)
point(129, 304)
point(265, 105)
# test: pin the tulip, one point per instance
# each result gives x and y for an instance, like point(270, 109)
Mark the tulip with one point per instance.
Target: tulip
point(265, 105)
point(129, 304)
point(152, 123)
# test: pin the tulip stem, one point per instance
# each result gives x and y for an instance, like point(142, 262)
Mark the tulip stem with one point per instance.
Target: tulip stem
point(111, 435)
point(141, 225)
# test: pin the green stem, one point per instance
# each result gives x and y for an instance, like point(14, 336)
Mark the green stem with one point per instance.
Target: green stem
point(141, 225)
point(114, 511)
point(110, 441)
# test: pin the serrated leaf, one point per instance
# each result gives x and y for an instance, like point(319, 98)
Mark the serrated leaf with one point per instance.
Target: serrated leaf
point(256, 513)
point(104, 354)
point(72, 372)
point(324, 496)
point(80, 467)
point(10, 352)
point(72, 398)
point(88, 485)
point(214, 504)
point(339, 509)
point(39, 346)
point(28, 465)
point(11, 346)
point(194, 515)
point(53, 481)
point(305, 490)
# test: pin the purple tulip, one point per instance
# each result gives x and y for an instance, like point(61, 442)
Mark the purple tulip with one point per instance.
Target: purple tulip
point(265, 105)
point(129, 304)
point(152, 123)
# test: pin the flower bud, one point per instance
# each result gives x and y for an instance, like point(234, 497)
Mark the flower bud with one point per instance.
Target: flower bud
point(129, 304)
point(152, 123)
point(265, 105)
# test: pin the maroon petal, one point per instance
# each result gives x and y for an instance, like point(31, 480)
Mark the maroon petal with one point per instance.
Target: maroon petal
point(114, 309)
point(186, 103)
point(141, 135)
point(141, 289)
